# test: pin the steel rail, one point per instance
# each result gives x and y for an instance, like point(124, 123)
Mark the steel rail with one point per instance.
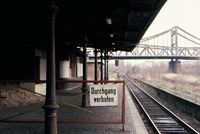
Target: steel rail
point(162, 119)
point(143, 109)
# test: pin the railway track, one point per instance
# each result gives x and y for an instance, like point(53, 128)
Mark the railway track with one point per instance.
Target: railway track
point(162, 119)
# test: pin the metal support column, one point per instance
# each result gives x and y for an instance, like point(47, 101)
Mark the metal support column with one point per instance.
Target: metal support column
point(95, 65)
point(101, 64)
point(105, 68)
point(84, 85)
point(50, 105)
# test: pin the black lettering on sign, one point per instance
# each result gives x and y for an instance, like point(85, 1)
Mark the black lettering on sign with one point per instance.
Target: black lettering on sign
point(103, 91)
point(104, 99)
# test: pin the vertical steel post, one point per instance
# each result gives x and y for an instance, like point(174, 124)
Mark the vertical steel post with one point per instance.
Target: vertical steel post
point(123, 106)
point(84, 85)
point(50, 105)
point(105, 68)
point(101, 64)
point(95, 65)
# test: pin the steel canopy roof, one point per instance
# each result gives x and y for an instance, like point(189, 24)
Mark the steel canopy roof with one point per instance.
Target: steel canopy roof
point(107, 24)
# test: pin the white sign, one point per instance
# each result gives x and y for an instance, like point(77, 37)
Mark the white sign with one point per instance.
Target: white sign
point(103, 95)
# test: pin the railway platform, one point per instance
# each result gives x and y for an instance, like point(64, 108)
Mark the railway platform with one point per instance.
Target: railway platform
point(29, 119)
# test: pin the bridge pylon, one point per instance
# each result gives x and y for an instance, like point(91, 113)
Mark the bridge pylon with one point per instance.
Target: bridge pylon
point(174, 66)
point(174, 40)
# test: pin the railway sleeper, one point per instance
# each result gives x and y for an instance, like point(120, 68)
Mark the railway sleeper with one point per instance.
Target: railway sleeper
point(161, 126)
point(165, 121)
point(174, 132)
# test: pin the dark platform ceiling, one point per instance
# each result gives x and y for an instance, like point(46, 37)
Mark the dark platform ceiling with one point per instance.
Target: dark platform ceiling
point(81, 20)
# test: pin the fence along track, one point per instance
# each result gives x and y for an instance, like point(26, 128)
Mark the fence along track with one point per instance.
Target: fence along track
point(162, 119)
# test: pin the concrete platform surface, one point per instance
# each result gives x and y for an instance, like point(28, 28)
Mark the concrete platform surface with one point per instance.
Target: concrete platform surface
point(133, 125)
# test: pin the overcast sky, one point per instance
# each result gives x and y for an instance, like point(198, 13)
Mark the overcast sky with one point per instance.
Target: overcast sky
point(182, 13)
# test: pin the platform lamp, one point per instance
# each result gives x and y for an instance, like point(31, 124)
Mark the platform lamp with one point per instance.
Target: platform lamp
point(108, 20)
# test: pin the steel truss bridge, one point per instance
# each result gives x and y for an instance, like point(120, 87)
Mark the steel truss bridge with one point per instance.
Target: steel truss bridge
point(174, 43)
